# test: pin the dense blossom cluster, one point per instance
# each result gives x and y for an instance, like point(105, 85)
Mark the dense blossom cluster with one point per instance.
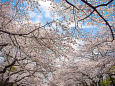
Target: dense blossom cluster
point(58, 52)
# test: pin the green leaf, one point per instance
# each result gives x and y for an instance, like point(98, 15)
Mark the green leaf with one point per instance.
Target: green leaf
point(13, 69)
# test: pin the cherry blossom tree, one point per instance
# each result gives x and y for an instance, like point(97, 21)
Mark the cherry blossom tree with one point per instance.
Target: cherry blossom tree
point(38, 54)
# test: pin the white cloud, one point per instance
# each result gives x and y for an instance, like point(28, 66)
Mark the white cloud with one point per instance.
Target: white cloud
point(72, 25)
point(88, 26)
point(35, 17)
point(32, 14)
point(45, 5)
point(38, 19)
point(81, 25)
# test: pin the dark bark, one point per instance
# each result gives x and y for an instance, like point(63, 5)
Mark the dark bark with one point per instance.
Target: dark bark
point(8, 66)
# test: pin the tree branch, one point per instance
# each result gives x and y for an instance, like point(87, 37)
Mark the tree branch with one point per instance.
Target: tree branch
point(2, 45)
point(71, 4)
point(87, 16)
point(10, 65)
point(20, 34)
point(104, 4)
point(94, 8)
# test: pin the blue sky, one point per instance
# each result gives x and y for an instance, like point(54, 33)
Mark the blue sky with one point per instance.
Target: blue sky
point(36, 16)
point(45, 15)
